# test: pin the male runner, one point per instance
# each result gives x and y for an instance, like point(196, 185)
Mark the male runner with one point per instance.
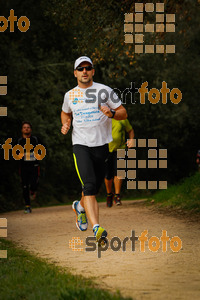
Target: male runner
point(92, 106)
point(119, 129)
point(29, 167)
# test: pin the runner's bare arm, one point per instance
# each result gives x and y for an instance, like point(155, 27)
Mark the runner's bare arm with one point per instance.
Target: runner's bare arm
point(120, 112)
point(66, 122)
point(130, 142)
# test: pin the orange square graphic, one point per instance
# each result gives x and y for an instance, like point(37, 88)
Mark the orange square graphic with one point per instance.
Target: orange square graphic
point(131, 174)
point(129, 17)
point(160, 7)
point(131, 153)
point(141, 142)
point(121, 153)
point(152, 153)
point(128, 27)
point(160, 18)
point(149, 48)
point(160, 49)
point(121, 174)
point(152, 142)
point(160, 28)
point(149, 28)
point(162, 164)
point(141, 185)
point(3, 79)
point(152, 164)
point(170, 28)
point(131, 164)
point(139, 18)
point(162, 153)
point(142, 164)
point(121, 163)
point(139, 38)
point(131, 185)
point(139, 28)
point(128, 39)
point(138, 7)
point(138, 48)
point(170, 18)
point(149, 7)
point(152, 185)
point(170, 48)
point(162, 185)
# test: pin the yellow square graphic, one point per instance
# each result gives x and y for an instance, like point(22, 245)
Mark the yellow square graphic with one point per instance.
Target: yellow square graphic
point(170, 28)
point(170, 48)
point(162, 153)
point(121, 163)
point(139, 18)
point(152, 153)
point(141, 142)
point(139, 28)
point(121, 153)
point(131, 164)
point(3, 90)
point(141, 185)
point(121, 174)
point(149, 28)
point(3, 232)
point(152, 185)
point(128, 27)
point(152, 142)
point(128, 39)
point(129, 17)
point(152, 164)
point(160, 28)
point(3, 253)
point(3, 79)
point(138, 7)
point(131, 153)
point(3, 112)
point(149, 48)
point(142, 164)
point(138, 48)
point(170, 18)
point(160, 18)
point(3, 222)
point(160, 7)
point(131, 185)
point(160, 49)
point(149, 7)
point(162, 164)
point(139, 38)
point(131, 174)
point(162, 185)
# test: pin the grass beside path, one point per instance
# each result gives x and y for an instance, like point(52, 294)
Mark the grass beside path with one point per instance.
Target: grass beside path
point(23, 276)
point(185, 195)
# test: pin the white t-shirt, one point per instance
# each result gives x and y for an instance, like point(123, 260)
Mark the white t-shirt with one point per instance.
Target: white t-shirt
point(90, 126)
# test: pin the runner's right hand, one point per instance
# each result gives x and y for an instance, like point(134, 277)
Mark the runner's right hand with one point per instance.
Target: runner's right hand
point(65, 128)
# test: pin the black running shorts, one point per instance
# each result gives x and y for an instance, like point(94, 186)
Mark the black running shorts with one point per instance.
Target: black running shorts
point(111, 165)
point(90, 166)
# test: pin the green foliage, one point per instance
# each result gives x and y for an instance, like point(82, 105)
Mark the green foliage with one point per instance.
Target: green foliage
point(185, 195)
point(24, 276)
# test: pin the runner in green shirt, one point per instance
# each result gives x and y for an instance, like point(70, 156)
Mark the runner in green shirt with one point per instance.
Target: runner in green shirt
point(119, 130)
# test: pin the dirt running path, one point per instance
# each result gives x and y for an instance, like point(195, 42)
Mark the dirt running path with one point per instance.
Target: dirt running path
point(140, 275)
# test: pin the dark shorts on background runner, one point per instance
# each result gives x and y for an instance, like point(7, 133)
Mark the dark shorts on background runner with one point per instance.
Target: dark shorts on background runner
point(90, 166)
point(111, 165)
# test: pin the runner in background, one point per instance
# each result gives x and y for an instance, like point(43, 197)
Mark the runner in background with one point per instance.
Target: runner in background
point(29, 168)
point(119, 130)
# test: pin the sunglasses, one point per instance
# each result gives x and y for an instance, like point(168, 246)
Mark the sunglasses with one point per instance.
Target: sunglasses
point(88, 68)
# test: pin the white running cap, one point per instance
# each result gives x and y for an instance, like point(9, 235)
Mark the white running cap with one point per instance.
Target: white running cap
point(82, 59)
